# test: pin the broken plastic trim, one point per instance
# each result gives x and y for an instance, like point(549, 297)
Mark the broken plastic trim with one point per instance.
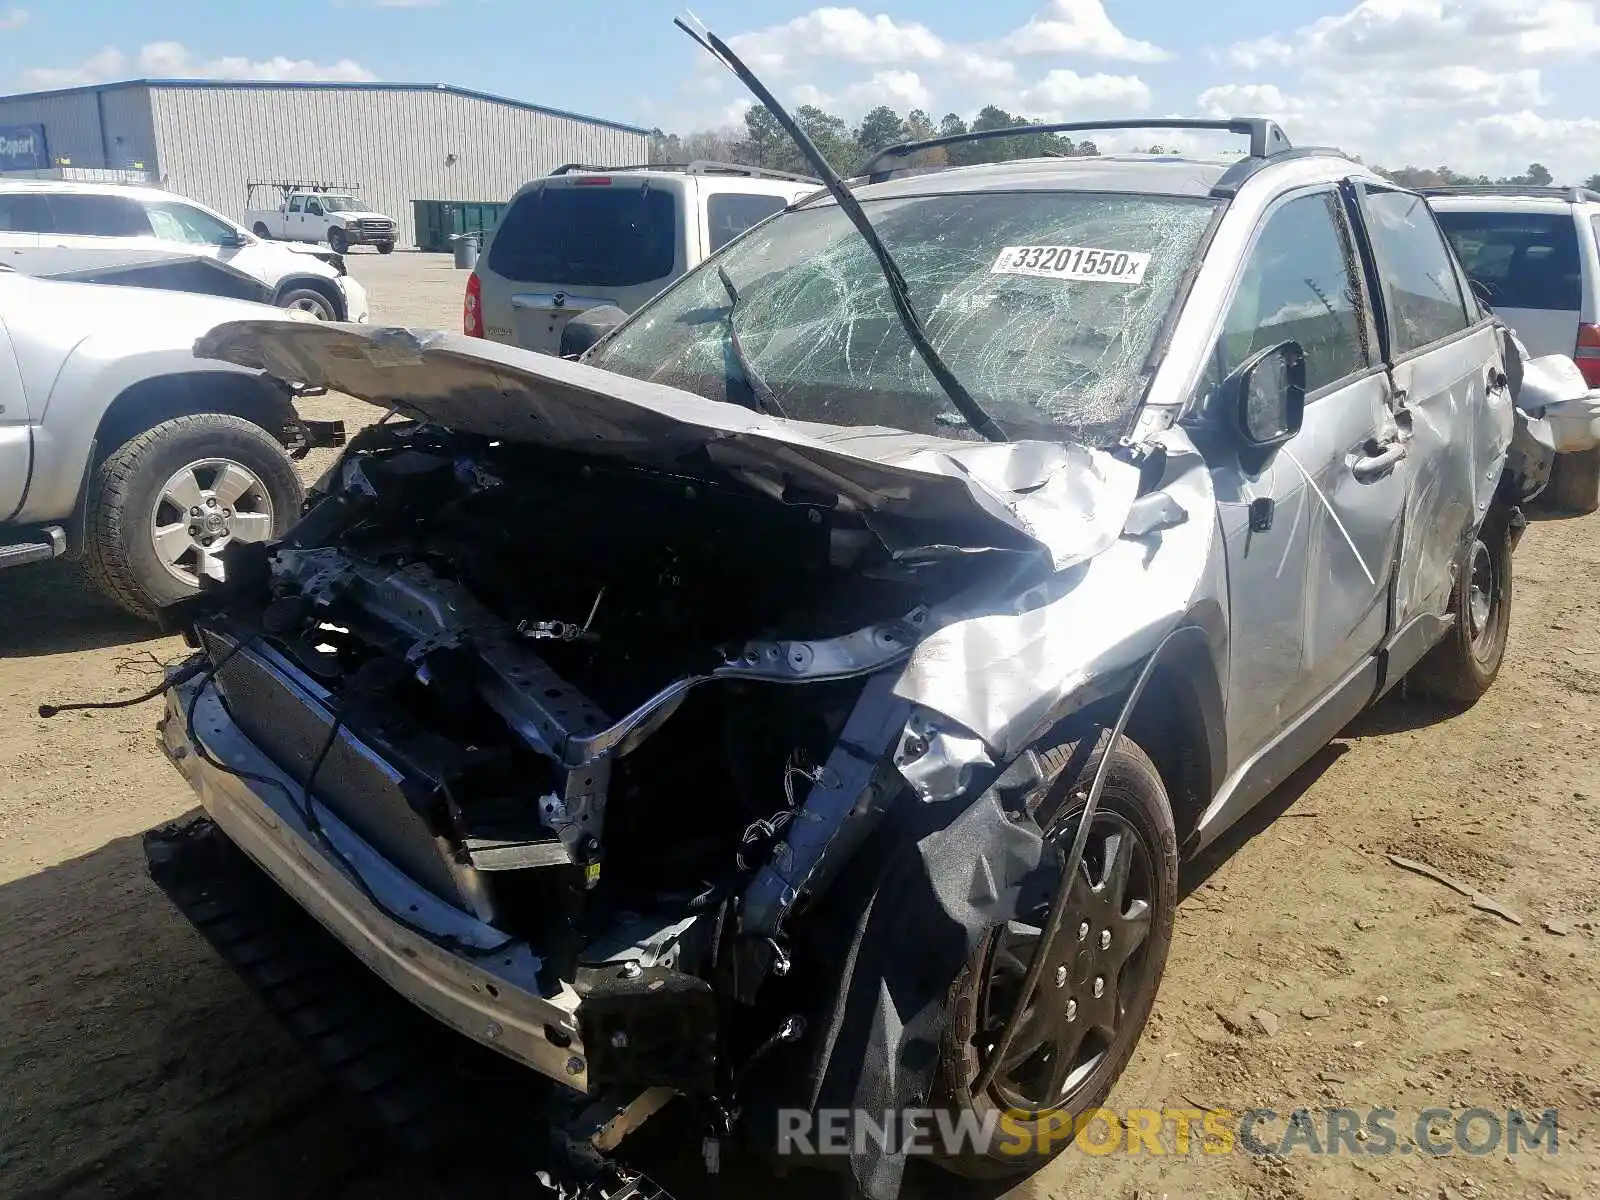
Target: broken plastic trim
point(1058, 906)
point(970, 410)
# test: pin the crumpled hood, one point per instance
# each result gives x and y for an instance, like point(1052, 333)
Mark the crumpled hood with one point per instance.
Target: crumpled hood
point(918, 493)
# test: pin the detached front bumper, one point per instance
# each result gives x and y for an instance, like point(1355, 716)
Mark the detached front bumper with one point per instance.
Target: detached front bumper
point(494, 1000)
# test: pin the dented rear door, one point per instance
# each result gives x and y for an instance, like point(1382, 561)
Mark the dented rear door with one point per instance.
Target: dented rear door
point(1452, 404)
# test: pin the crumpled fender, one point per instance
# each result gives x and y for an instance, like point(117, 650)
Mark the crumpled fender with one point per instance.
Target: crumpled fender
point(988, 683)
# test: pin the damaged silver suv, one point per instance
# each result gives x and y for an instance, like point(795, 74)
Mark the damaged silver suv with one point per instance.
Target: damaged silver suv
point(805, 701)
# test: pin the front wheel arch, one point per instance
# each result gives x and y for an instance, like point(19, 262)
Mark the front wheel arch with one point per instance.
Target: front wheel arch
point(161, 398)
point(315, 283)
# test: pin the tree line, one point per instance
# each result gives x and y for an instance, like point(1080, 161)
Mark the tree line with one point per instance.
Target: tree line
point(763, 143)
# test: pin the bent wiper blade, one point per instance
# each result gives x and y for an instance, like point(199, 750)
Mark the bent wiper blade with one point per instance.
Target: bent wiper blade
point(760, 393)
point(970, 410)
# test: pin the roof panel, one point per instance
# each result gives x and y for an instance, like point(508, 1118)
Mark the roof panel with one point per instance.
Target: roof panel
point(345, 85)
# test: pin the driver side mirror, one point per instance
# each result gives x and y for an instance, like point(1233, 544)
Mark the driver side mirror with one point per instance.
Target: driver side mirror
point(233, 240)
point(1267, 396)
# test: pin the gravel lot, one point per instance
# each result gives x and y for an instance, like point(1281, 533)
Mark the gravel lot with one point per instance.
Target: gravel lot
point(133, 1064)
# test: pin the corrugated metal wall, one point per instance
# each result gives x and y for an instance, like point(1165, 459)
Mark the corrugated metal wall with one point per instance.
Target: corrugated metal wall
point(71, 121)
point(400, 145)
point(130, 133)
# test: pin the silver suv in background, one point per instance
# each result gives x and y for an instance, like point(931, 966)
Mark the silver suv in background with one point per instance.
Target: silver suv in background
point(1532, 256)
point(585, 238)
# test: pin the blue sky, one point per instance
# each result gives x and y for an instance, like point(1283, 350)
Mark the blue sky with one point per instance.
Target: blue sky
point(1482, 84)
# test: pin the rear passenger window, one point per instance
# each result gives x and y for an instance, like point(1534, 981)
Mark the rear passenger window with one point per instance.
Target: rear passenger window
point(1419, 280)
point(98, 216)
point(730, 213)
point(1299, 284)
point(22, 212)
point(1518, 260)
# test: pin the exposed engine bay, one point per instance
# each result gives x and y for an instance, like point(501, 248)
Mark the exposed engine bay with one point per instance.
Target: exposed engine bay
point(579, 699)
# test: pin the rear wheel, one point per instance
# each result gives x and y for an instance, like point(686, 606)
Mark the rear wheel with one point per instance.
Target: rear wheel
point(1462, 668)
point(1574, 483)
point(262, 232)
point(1101, 973)
point(165, 504)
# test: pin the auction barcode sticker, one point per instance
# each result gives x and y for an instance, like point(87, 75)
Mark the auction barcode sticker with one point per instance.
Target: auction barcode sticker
point(1072, 262)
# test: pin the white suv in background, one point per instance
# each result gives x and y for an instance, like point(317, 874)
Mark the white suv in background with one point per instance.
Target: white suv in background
point(1533, 255)
point(592, 237)
point(146, 236)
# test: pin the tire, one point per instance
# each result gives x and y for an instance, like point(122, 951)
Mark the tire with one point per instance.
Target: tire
point(309, 300)
point(262, 232)
point(337, 242)
point(1134, 802)
point(126, 504)
point(1574, 483)
point(385, 247)
point(1461, 668)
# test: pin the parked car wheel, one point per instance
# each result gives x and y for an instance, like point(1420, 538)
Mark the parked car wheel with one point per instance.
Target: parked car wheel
point(1100, 981)
point(309, 300)
point(385, 247)
point(262, 232)
point(1574, 483)
point(164, 505)
point(337, 242)
point(1462, 668)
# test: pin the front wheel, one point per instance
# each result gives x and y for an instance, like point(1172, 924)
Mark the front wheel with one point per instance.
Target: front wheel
point(337, 242)
point(164, 505)
point(385, 247)
point(311, 301)
point(1461, 668)
point(1101, 972)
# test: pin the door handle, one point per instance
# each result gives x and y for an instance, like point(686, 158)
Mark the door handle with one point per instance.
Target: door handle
point(1375, 466)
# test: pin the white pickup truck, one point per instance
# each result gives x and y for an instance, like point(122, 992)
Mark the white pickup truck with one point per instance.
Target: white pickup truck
point(319, 213)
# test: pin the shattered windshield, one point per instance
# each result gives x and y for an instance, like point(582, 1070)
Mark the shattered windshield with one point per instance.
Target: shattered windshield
point(1044, 304)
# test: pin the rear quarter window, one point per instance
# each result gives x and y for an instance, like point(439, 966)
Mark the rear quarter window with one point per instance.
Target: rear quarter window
point(596, 236)
point(1519, 260)
point(730, 213)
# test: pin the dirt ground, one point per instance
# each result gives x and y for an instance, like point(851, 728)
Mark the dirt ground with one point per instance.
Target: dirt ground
point(133, 1064)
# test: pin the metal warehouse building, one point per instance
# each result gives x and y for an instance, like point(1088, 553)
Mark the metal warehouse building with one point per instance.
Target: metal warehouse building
point(414, 149)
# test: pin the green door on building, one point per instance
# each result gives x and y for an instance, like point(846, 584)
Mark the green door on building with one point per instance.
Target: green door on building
point(440, 220)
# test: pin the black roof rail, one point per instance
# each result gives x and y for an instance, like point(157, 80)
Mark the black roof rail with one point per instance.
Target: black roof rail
point(1235, 177)
point(700, 166)
point(1575, 195)
point(1266, 137)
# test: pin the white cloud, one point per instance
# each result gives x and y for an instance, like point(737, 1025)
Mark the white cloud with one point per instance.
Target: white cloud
point(900, 90)
point(13, 18)
point(1463, 83)
point(174, 60)
point(1063, 95)
point(839, 34)
point(1414, 33)
point(1080, 27)
point(1248, 100)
